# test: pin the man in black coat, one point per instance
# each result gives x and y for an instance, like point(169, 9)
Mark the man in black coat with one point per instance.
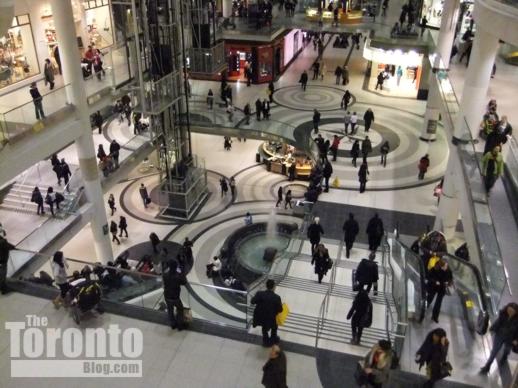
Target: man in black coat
point(361, 314)
point(114, 152)
point(172, 289)
point(316, 120)
point(258, 109)
point(327, 172)
point(351, 229)
point(5, 247)
point(367, 274)
point(274, 371)
point(64, 172)
point(315, 230)
point(303, 80)
point(375, 232)
point(368, 117)
point(267, 305)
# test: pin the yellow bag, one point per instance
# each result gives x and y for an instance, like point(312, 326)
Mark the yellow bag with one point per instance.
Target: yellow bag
point(336, 182)
point(281, 317)
point(431, 262)
point(38, 126)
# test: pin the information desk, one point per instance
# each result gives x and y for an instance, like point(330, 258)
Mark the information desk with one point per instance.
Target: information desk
point(279, 157)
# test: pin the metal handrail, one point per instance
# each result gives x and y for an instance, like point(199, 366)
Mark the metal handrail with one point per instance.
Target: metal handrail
point(31, 101)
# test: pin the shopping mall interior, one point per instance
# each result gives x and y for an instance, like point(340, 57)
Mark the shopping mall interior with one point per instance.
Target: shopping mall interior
point(218, 135)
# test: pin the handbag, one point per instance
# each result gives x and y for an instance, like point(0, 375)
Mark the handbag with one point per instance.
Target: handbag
point(446, 370)
point(483, 323)
point(187, 315)
point(281, 317)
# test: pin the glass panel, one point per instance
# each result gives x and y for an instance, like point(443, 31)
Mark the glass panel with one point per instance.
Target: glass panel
point(23, 19)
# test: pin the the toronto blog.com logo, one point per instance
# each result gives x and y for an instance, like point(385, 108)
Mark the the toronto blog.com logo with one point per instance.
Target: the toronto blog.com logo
point(40, 351)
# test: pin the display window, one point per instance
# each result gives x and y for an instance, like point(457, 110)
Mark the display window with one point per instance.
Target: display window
point(98, 23)
point(432, 9)
point(18, 59)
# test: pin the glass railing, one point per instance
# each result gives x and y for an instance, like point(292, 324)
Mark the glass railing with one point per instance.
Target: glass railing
point(25, 119)
point(207, 60)
point(511, 161)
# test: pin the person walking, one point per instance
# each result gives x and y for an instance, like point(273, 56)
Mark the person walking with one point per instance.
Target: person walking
point(492, 168)
point(258, 109)
point(368, 118)
point(37, 100)
point(59, 267)
point(362, 175)
point(438, 280)
point(367, 274)
point(323, 71)
point(172, 283)
point(232, 185)
point(315, 231)
point(316, 120)
point(346, 100)
point(48, 73)
point(224, 186)
point(376, 365)
point(345, 75)
point(275, 369)
point(327, 171)
point(98, 121)
point(113, 230)
point(279, 196)
point(123, 226)
point(360, 315)
point(347, 122)
point(423, 165)
point(399, 74)
point(37, 198)
point(5, 248)
point(334, 147)
point(248, 112)
point(424, 25)
point(65, 173)
point(266, 109)
point(379, 81)
point(144, 195)
point(101, 154)
point(384, 150)
point(111, 203)
point(303, 80)
point(505, 335)
point(433, 352)
point(267, 305)
point(50, 199)
point(292, 169)
point(271, 90)
point(155, 241)
point(287, 200)
point(316, 69)
point(366, 147)
point(355, 151)
point(114, 152)
point(338, 75)
point(56, 167)
point(375, 231)
point(210, 99)
point(321, 261)
point(351, 230)
point(354, 121)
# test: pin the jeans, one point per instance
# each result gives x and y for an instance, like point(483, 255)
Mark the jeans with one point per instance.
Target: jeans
point(38, 107)
point(498, 342)
point(272, 338)
point(176, 320)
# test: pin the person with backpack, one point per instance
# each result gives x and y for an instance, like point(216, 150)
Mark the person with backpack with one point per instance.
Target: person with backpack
point(123, 226)
point(433, 352)
point(367, 274)
point(360, 315)
point(5, 247)
point(376, 365)
point(375, 232)
point(37, 198)
point(321, 261)
point(113, 230)
point(351, 229)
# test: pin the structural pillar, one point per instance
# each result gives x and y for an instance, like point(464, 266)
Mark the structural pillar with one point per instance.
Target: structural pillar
point(441, 61)
point(226, 6)
point(476, 84)
point(65, 30)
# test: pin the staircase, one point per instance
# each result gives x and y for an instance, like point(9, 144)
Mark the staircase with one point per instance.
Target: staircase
point(18, 199)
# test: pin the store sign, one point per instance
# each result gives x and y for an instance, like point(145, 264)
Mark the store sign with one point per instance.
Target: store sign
point(431, 126)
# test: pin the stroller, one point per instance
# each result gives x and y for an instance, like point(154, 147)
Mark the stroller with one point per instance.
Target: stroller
point(84, 295)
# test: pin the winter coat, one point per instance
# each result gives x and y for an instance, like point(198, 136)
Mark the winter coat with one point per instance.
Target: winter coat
point(381, 369)
point(351, 229)
point(361, 310)
point(5, 247)
point(505, 328)
point(375, 227)
point(321, 262)
point(268, 305)
point(367, 271)
point(274, 372)
point(366, 146)
point(314, 232)
point(363, 172)
point(355, 150)
point(368, 117)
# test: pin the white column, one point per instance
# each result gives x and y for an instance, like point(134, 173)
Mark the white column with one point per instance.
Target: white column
point(226, 6)
point(65, 30)
point(441, 61)
point(476, 84)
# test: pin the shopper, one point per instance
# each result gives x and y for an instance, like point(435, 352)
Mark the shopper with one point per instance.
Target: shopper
point(423, 165)
point(232, 185)
point(315, 231)
point(98, 121)
point(399, 74)
point(48, 73)
point(375, 232)
point(111, 204)
point(355, 151)
point(224, 186)
point(114, 152)
point(327, 171)
point(316, 69)
point(334, 147)
point(172, 283)
point(439, 278)
point(50, 199)
point(56, 167)
point(345, 75)
point(59, 270)
point(155, 241)
point(144, 195)
point(5, 247)
point(346, 100)
point(303, 80)
point(363, 172)
point(214, 267)
point(384, 150)
point(271, 90)
point(424, 24)
point(37, 100)
point(321, 261)
point(505, 334)
point(354, 122)
point(101, 154)
point(267, 305)
point(279, 196)
point(361, 314)
point(367, 274)
point(433, 352)
point(492, 168)
point(258, 109)
point(210, 99)
point(113, 230)
point(376, 365)
point(351, 229)
point(368, 118)
point(123, 226)
point(338, 75)
point(366, 147)
point(347, 122)
point(379, 81)
point(266, 109)
point(37, 198)
point(248, 112)
point(316, 120)
point(288, 200)
point(274, 371)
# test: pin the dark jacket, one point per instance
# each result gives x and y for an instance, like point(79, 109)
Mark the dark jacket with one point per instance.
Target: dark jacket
point(355, 150)
point(35, 93)
point(368, 117)
point(5, 247)
point(316, 117)
point(367, 271)
point(375, 227)
point(363, 172)
point(366, 146)
point(506, 328)
point(441, 276)
point(314, 232)
point(64, 170)
point(321, 262)
point(433, 355)
point(351, 229)
point(268, 305)
point(361, 310)
point(114, 148)
point(304, 78)
point(172, 284)
point(424, 163)
point(123, 223)
point(143, 192)
point(113, 227)
point(328, 170)
point(274, 372)
point(37, 197)
point(385, 148)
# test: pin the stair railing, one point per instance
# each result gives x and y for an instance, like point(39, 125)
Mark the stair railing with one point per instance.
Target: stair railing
point(25, 176)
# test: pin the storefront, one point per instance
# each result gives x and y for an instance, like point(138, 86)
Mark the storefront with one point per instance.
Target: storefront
point(278, 158)
point(402, 70)
point(32, 38)
point(432, 9)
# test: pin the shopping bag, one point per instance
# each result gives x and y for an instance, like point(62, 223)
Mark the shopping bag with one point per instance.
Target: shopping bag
point(336, 182)
point(38, 126)
point(187, 315)
point(431, 262)
point(281, 317)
